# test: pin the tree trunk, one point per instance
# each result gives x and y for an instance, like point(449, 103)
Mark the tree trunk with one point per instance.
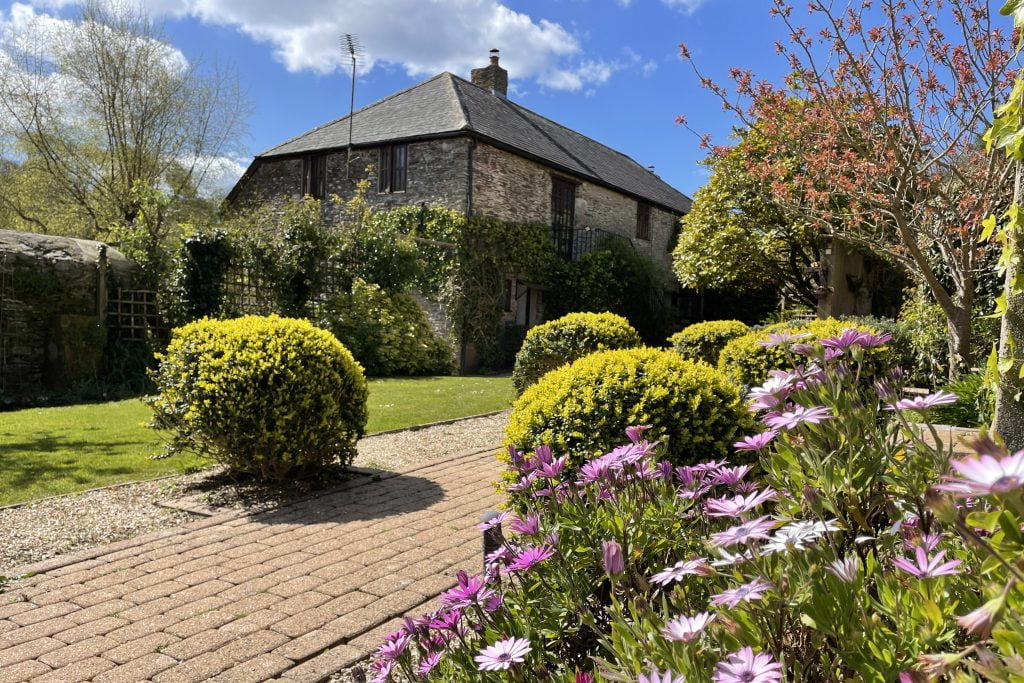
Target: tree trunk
point(1009, 419)
point(959, 327)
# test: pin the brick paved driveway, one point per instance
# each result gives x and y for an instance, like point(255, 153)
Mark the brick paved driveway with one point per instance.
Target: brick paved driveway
point(293, 594)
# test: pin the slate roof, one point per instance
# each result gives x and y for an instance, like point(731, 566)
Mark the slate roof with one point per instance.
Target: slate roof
point(449, 105)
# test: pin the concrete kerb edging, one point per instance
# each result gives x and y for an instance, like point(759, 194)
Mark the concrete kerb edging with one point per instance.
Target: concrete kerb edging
point(221, 518)
point(121, 484)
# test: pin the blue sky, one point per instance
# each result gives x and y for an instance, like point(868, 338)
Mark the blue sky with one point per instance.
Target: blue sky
point(607, 68)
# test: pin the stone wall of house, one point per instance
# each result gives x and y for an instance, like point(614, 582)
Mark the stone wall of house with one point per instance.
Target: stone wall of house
point(437, 175)
point(512, 188)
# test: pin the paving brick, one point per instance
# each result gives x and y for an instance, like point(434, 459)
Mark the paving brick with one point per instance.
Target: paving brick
point(255, 670)
point(22, 671)
point(322, 666)
point(34, 631)
point(252, 645)
point(304, 622)
point(98, 627)
point(257, 621)
point(30, 650)
point(203, 590)
point(202, 668)
point(200, 643)
point(143, 627)
point(201, 622)
point(134, 649)
point(191, 609)
point(136, 670)
point(79, 670)
point(11, 608)
point(349, 602)
point(299, 584)
point(109, 608)
point(32, 616)
point(83, 649)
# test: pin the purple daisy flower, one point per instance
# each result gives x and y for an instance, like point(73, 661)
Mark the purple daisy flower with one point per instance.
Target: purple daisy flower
point(446, 620)
point(429, 661)
point(746, 666)
point(755, 442)
point(685, 629)
point(986, 475)
point(743, 533)
point(503, 654)
point(738, 505)
point(472, 590)
point(845, 569)
point(527, 525)
point(920, 403)
point(583, 677)
point(551, 470)
point(394, 647)
point(655, 676)
point(530, 556)
point(730, 476)
point(784, 337)
point(524, 484)
point(493, 521)
point(747, 592)
point(598, 469)
point(924, 567)
point(772, 393)
point(635, 432)
point(696, 566)
point(799, 415)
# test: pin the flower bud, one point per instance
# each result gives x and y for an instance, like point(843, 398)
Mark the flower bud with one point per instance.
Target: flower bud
point(980, 621)
point(612, 558)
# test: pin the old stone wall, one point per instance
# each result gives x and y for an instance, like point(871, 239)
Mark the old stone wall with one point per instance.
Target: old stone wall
point(437, 175)
point(516, 189)
point(53, 305)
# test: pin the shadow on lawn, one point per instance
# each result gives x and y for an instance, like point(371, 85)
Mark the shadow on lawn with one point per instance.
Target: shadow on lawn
point(84, 460)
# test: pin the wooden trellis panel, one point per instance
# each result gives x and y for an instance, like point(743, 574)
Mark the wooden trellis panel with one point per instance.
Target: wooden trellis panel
point(134, 314)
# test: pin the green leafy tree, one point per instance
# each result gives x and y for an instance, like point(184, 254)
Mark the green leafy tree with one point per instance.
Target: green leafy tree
point(738, 238)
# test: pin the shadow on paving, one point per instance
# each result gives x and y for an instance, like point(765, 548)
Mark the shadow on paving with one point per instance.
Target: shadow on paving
point(390, 496)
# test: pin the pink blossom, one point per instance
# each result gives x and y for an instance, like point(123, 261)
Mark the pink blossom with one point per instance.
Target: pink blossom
point(503, 654)
point(755, 442)
point(738, 505)
point(530, 556)
point(743, 533)
point(747, 667)
point(747, 592)
point(527, 525)
point(730, 476)
point(696, 566)
point(921, 403)
point(636, 431)
point(926, 567)
point(785, 337)
point(494, 521)
point(799, 415)
point(985, 475)
point(686, 629)
point(656, 676)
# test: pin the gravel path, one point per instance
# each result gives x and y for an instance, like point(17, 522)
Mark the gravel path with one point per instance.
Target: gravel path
point(54, 526)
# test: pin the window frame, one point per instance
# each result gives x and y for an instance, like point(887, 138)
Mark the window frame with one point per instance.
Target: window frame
point(393, 168)
point(644, 213)
point(314, 176)
point(563, 214)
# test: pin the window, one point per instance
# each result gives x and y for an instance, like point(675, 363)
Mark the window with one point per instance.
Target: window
point(314, 176)
point(393, 163)
point(643, 221)
point(563, 215)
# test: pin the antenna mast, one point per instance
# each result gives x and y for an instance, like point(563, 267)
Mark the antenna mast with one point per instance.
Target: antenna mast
point(350, 44)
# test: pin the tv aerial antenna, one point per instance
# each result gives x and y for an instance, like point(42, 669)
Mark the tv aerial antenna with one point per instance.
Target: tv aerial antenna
point(350, 46)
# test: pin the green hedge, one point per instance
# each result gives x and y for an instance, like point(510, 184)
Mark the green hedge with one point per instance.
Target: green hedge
point(581, 409)
point(272, 397)
point(705, 341)
point(565, 339)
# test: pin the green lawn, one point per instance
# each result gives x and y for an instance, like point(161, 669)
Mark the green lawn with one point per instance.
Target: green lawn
point(48, 451)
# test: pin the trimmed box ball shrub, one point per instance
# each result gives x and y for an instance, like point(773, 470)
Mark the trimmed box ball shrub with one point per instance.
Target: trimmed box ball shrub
point(565, 339)
point(267, 396)
point(579, 409)
point(704, 341)
point(746, 362)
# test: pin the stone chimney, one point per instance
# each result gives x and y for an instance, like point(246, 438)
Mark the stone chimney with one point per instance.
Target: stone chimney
point(492, 77)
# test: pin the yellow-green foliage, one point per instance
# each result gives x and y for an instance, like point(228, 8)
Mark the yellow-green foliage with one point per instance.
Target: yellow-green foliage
point(565, 339)
point(704, 341)
point(582, 409)
point(746, 362)
point(269, 396)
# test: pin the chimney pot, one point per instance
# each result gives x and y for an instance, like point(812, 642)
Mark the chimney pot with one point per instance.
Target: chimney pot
point(494, 56)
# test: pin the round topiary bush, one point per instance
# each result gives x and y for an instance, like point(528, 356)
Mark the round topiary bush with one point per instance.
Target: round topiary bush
point(746, 362)
point(565, 339)
point(704, 341)
point(267, 396)
point(582, 409)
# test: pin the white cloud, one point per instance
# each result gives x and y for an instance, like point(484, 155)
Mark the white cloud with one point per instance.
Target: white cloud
point(687, 6)
point(219, 174)
point(423, 37)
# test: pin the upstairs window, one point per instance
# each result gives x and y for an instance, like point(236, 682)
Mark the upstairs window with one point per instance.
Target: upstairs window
point(393, 164)
point(314, 176)
point(643, 221)
point(563, 215)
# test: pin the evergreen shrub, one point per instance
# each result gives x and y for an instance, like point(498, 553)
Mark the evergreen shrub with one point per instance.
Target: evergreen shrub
point(565, 339)
point(266, 396)
point(704, 341)
point(579, 409)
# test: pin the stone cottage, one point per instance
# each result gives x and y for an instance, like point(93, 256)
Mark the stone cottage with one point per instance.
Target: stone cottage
point(448, 142)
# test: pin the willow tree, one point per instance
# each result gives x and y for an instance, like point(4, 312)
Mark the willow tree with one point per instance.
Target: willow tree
point(98, 110)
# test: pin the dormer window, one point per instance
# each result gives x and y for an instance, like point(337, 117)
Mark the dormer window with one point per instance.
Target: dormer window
point(393, 163)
